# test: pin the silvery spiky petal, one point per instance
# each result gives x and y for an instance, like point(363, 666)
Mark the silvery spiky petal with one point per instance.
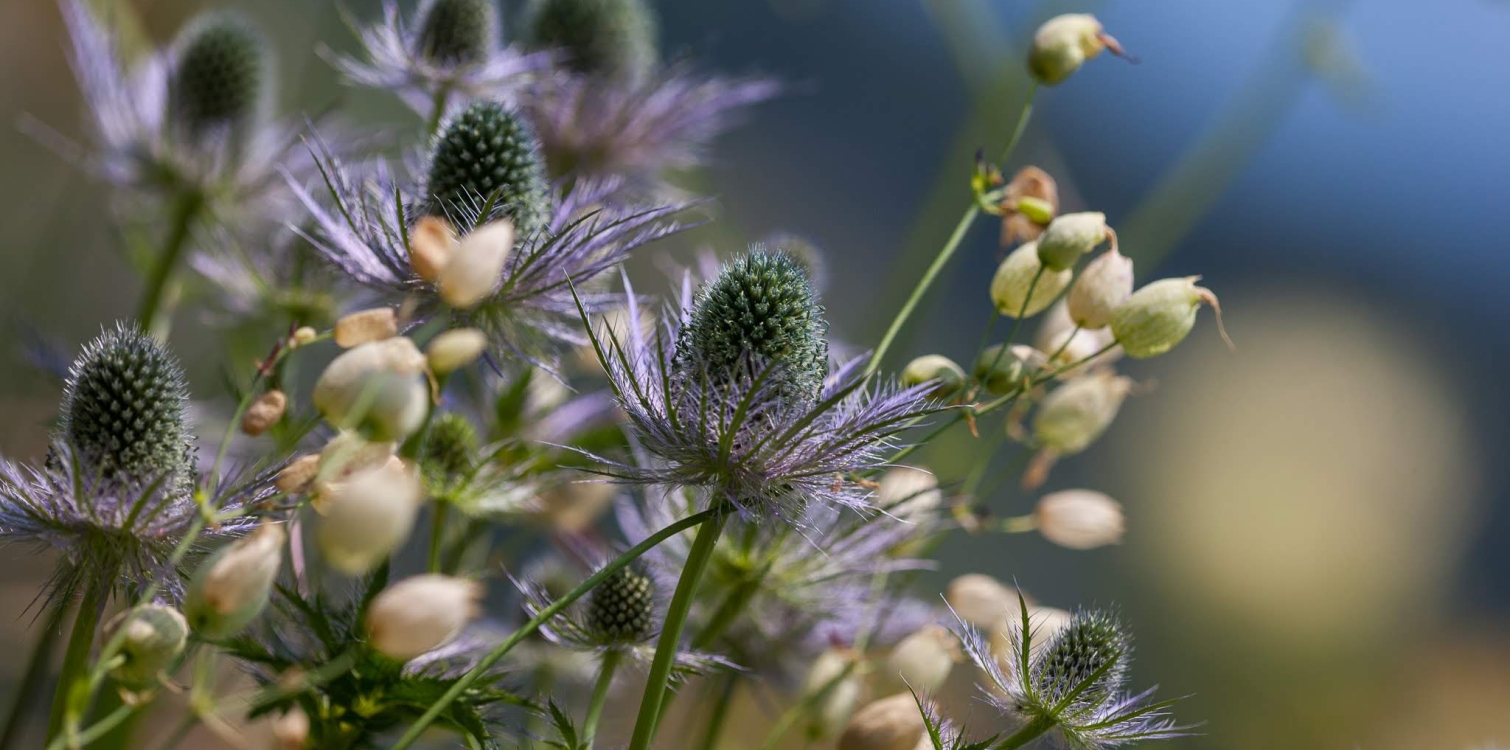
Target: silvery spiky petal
point(1086, 703)
point(395, 60)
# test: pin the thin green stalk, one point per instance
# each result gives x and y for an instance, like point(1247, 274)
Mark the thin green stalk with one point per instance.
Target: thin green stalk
point(180, 732)
point(1031, 731)
point(438, 535)
point(1022, 123)
point(186, 210)
point(941, 260)
point(34, 676)
point(802, 708)
point(610, 665)
point(720, 713)
point(76, 657)
point(728, 611)
point(97, 730)
point(717, 514)
point(437, 112)
point(671, 631)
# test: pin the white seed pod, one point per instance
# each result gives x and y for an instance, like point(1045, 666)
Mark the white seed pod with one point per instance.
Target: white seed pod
point(891, 723)
point(432, 242)
point(1002, 370)
point(979, 599)
point(1070, 236)
point(377, 388)
point(1080, 519)
point(1102, 287)
point(421, 614)
point(299, 475)
point(477, 265)
point(291, 730)
point(947, 376)
point(1014, 277)
point(1073, 415)
point(363, 326)
point(264, 412)
point(368, 516)
point(1063, 43)
point(152, 637)
point(922, 660)
point(831, 712)
point(1057, 336)
point(230, 588)
point(1161, 314)
point(911, 495)
point(455, 349)
point(1030, 200)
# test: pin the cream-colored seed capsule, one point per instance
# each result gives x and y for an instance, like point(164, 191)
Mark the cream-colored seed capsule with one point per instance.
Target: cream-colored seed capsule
point(1102, 287)
point(911, 495)
point(891, 723)
point(291, 730)
point(1064, 43)
point(1161, 314)
point(455, 349)
point(1071, 345)
point(1029, 202)
point(230, 588)
point(1070, 236)
point(1079, 519)
point(1015, 277)
point(477, 265)
point(1002, 369)
point(298, 475)
point(1073, 415)
point(836, 670)
point(368, 516)
point(364, 326)
point(979, 599)
point(377, 387)
point(152, 637)
point(432, 242)
point(947, 376)
point(922, 660)
point(421, 614)
point(304, 335)
point(264, 412)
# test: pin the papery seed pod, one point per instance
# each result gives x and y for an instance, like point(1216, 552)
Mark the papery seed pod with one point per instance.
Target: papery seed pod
point(368, 516)
point(488, 154)
point(1079, 519)
point(1160, 315)
point(219, 72)
point(1000, 369)
point(1102, 287)
point(1029, 203)
point(152, 637)
point(230, 588)
point(1070, 236)
point(475, 268)
point(377, 388)
point(949, 378)
point(614, 38)
point(455, 349)
point(836, 669)
point(1064, 43)
point(298, 475)
point(1073, 415)
point(124, 407)
point(343, 457)
point(1057, 335)
point(291, 730)
point(572, 507)
point(911, 495)
point(622, 608)
point(364, 326)
point(923, 659)
point(979, 599)
point(1015, 277)
point(457, 32)
point(264, 412)
point(1089, 656)
point(421, 614)
point(891, 723)
point(432, 242)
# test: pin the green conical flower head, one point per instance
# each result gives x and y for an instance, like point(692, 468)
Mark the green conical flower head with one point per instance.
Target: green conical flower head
point(601, 37)
point(449, 447)
point(489, 153)
point(762, 306)
point(622, 607)
point(455, 32)
point(219, 74)
point(123, 406)
point(1093, 641)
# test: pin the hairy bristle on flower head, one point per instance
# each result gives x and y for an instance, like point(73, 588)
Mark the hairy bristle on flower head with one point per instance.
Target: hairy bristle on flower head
point(456, 32)
point(614, 38)
point(622, 607)
point(488, 156)
point(219, 73)
point(1088, 656)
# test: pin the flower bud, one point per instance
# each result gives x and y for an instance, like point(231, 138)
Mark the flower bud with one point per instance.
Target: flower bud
point(153, 635)
point(922, 661)
point(376, 388)
point(911, 495)
point(264, 412)
point(607, 38)
point(1001, 369)
point(219, 73)
point(1160, 315)
point(891, 723)
point(831, 712)
point(368, 516)
point(1087, 657)
point(487, 157)
point(1029, 203)
point(455, 349)
point(622, 608)
point(304, 336)
point(1073, 415)
point(457, 32)
point(124, 409)
point(230, 588)
point(1015, 277)
point(980, 600)
point(432, 242)
point(291, 730)
point(1070, 236)
point(1058, 335)
point(476, 266)
point(1079, 519)
point(1102, 287)
point(1064, 43)
point(421, 614)
point(366, 325)
point(298, 475)
point(948, 377)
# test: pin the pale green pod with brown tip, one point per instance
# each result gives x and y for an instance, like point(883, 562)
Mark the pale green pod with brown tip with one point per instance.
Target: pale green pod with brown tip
point(1063, 43)
point(1075, 414)
point(1102, 287)
point(152, 637)
point(1160, 315)
point(1015, 277)
point(947, 376)
point(1070, 236)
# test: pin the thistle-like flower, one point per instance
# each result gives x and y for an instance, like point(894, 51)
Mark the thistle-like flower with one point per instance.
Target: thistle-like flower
point(488, 153)
point(1072, 686)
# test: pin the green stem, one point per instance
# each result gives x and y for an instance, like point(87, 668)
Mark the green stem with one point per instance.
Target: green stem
point(1022, 123)
point(180, 732)
point(438, 112)
point(715, 514)
point(185, 211)
point(36, 673)
point(921, 289)
point(728, 611)
point(438, 535)
point(1019, 524)
point(76, 657)
point(610, 664)
point(720, 714)
point(1029, 732)
point(671, 631)
point(802, 708)
point(97, 730)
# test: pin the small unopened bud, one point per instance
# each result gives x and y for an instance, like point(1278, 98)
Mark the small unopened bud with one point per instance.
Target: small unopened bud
point(377, 388)
point(368, 516)
point(891, 723)
point(1103, 286)
point(1070, 236)
point(152, 637)
point(291, 730)
point(455, 349)
point(1064, 43)
point(1001, 369)
point(304, 336)
point(1073, 415)
point(264, 413)
point(837, 670)
point(979, 599)
point(1017, 275)
point(230, 588)
point(364, 326)
point(948, 377)
point(1029, 203)
point(1161, 314)
point(1079, 519)
point(476, 266)
point(922, 661)
point(911, 495)
point(421, 614)
point(432, 242)
point(298, 475)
